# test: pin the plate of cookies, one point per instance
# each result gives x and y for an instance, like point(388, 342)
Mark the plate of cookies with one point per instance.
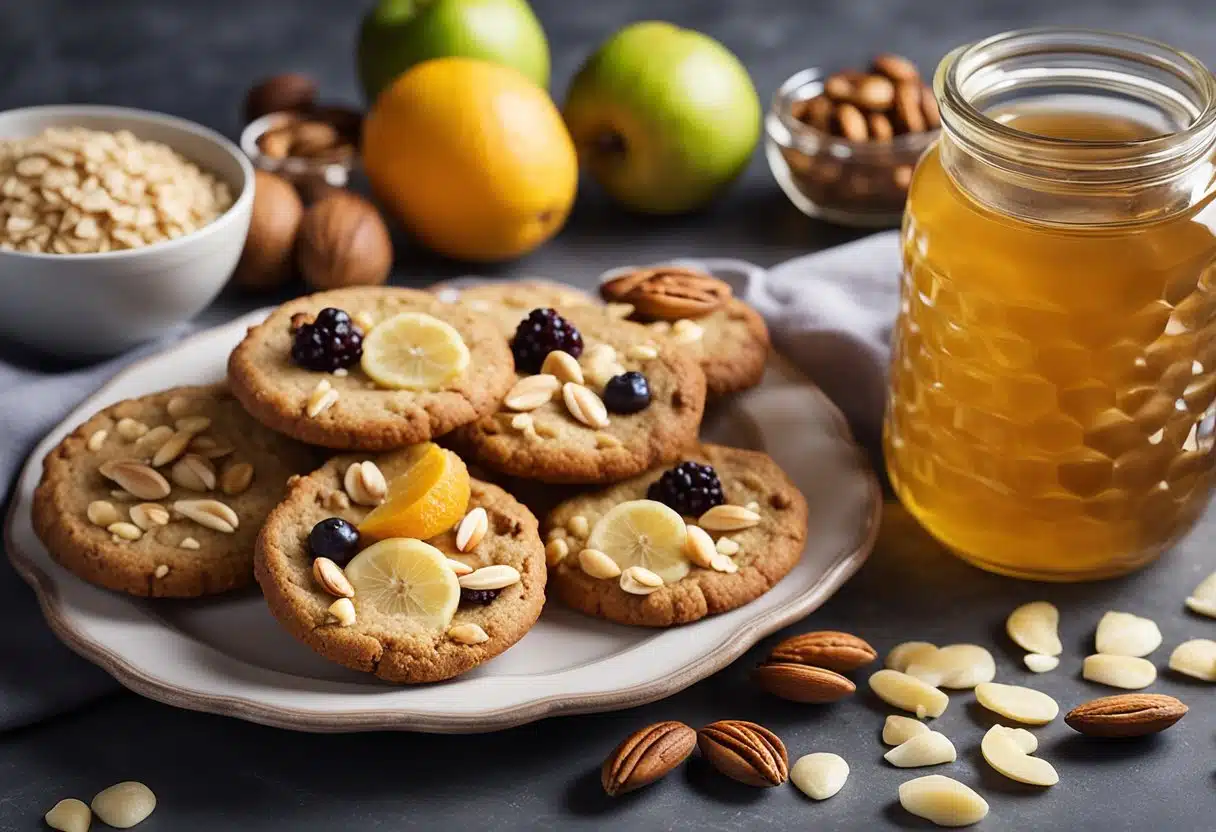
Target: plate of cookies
point(448, 511)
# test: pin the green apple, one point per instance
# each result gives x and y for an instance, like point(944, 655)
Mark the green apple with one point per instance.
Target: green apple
point(396, 34)
point(663, 117)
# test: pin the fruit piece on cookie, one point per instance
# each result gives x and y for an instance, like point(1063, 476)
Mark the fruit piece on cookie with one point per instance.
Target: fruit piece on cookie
point(588, 406)
point(679, 542)
point(418, 582)
point(372, 368)
point(163, 495)
point(508, 302)
point(699, 313)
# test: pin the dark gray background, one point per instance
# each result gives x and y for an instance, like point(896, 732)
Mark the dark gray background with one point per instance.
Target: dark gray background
point(195, 59)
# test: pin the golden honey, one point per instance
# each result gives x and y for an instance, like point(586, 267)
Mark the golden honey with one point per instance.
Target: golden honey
point(1052, 383)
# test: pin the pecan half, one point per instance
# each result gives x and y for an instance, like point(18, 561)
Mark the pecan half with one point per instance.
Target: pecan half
point(646, 756)
point(1126, 715)
point(834, 650)
point(668, 293)
point(745, 751)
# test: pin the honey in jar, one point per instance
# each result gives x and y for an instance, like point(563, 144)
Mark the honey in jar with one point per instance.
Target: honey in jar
point(1054, 363)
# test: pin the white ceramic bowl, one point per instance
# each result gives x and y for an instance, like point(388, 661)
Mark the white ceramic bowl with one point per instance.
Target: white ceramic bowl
point(90, 305)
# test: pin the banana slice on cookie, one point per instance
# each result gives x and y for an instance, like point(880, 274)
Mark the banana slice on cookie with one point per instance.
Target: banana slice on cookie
point(414, 351)
point(402, 576)
point(643, 533)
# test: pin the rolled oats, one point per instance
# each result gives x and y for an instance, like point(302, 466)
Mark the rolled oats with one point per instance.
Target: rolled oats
point(210, 514)
point(96, 440)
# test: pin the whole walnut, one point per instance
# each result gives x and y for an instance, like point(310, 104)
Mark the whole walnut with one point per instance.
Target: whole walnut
point(343, 242)
point(266, 261)
point(280, 93)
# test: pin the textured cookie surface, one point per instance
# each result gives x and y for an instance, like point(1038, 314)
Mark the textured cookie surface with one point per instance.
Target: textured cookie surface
point(157, 563)
point(508, 302)
point(766, 553)
point(277, 391)
point(395, 647)
point(732, 349)
point(554, 446)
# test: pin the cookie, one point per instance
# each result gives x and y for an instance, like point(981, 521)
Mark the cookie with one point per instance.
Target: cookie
point(507, 302)
point(346, 409)
point(215, 468)
point(567, 431)
point(394, 646)
point(756, 557)
point(698, 312)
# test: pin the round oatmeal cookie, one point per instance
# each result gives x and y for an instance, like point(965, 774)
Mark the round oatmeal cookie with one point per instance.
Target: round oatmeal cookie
point(761, 555)
point(394, 646)
point(143, 497)
point(507, 302)
point(550, 442)
point(359, 414)
point(698, 312)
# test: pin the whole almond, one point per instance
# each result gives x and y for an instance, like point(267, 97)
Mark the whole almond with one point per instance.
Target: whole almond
point(745, 751)
point(895, 67)
point(851, 123)
point(874, 92)
point(841, 652)
point(193, 473)
point(331, 578)
point(909, 110)
point(532, 392)
point(803, 683)
point(1126, 715)
point(647, 755)
point(584, 405)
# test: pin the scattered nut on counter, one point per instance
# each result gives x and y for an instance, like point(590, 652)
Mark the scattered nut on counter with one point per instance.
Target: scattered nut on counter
point(280, 93)
point(343, 242)
point(266, 261)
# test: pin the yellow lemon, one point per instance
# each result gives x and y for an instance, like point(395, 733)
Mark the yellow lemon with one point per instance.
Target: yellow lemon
point(406, 577)
point(413, 351)
point(473, 157)
point(427, 499)
point(643, 533)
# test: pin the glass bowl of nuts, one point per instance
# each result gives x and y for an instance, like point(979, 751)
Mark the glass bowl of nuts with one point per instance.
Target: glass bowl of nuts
point(316, 146)
point(843, 146)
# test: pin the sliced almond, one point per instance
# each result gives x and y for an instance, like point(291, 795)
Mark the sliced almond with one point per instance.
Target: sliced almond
point(899, 729)
point(584, 405)
point(1040, 662)
point(498, 576)
point(1124, 634)
point(563, 366)
point(928, 749)
point(459, 567)
point(1127, 672)
point(532, 392)
point(96, 440)
point(908, 693)
point(637, 580)
point(156, 436)
point(172, 448)
point(472, 529)
point(1020, 704)
point(136, 478)
point(1035, 627)
point(942, 800)
point(727, 546)
point(102, 513)
point(467, 633)
point(209, 447)
point(598, 565)
point(1195, 658)
point(728, 518)
point(1203, 597)
point(342, 611)
point(521, 421)
point(194, 473)
point(957, 666)
point(236, 479)
point(125, 531)
point(907, 653)
point(365, 483)
point(321, 399)
point(699, 547)
point(130, 429)
point(330, 577)
point(723, 563)
point(211, 514)
point(149, 515)
point(1004, 753)
point(556, 551)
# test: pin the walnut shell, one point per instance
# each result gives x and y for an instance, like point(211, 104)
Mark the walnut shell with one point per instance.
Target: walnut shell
point(280, 93)
point(343, 242)
point(266, 261)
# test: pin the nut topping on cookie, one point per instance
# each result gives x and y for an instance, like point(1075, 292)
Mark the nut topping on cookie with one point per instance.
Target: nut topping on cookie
point(472, 529)
point(637, 580)
point(597, 564)
point(563, 366)
point(467, 633)
point(365, 483)
point(668, 293)
point(498, 576)
point(584, 405)
point(342, 612)
point(331, 578)
point(532, 392)
point(102, 513)
point(211, 514)
point(136, 478)
point(728, 518)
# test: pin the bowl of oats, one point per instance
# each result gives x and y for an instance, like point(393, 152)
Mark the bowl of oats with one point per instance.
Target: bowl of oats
point(116, 225)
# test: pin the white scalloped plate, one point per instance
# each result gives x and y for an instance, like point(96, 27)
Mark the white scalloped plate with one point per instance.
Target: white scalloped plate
point(228, 655)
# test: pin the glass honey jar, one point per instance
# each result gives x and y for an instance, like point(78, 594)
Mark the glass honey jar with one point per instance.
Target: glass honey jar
point(1054, 362)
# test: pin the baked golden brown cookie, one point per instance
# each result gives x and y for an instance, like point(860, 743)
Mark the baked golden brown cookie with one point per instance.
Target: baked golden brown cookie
point(402, 644)
point(561, 423)
point(736, 553)
point(351, 406)
point(164, 495)
point(698, 312)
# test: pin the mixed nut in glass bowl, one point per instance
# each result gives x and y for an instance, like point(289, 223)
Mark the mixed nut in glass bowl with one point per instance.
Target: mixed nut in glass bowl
point(843, 146)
